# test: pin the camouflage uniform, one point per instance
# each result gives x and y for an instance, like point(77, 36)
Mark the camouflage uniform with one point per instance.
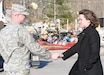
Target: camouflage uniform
point(16, 44)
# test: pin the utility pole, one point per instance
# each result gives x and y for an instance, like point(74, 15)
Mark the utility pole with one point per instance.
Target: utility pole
point(23, 2)
point(54, 11)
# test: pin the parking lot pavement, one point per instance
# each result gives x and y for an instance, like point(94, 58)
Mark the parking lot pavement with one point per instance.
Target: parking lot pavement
point(102, 50)
point(56, 67)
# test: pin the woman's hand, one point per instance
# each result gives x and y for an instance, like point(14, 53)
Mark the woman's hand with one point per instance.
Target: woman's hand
point(56, 56)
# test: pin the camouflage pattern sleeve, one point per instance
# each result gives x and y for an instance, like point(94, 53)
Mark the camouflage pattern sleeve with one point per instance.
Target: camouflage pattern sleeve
point(32, 45)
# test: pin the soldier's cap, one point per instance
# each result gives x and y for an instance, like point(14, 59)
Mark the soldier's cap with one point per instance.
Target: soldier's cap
point(19, 9)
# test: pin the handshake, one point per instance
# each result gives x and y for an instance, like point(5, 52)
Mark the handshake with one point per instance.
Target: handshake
point(55, 56)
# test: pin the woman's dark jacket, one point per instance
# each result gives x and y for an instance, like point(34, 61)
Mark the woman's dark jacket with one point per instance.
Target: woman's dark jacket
point(88, 49)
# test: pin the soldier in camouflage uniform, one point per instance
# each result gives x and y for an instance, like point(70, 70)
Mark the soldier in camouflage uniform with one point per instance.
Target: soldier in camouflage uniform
point(16, 44)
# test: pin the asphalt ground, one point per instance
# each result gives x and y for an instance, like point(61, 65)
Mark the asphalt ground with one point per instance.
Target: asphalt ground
point(56, 67)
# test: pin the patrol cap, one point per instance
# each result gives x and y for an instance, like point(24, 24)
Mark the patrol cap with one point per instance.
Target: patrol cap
point(19, 9)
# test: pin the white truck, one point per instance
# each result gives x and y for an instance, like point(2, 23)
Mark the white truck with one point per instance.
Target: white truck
point(2, 11)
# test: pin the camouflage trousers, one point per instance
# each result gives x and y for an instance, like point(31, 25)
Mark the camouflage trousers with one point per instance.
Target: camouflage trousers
point(23, 72)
